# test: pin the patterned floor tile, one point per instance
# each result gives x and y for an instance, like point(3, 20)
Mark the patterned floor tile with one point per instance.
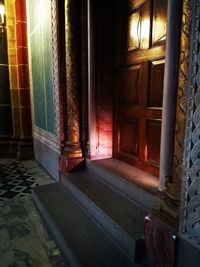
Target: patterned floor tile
point(24, 239)
point(17, 178)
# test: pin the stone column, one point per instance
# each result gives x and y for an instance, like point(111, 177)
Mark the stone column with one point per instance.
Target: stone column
point(169, 91)
point(72, 150)
point(169, 208)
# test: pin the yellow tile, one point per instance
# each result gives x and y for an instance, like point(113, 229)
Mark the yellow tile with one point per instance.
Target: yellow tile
point(13, 77)
point(10, 8)
point(11, 32)
point(14, 97)
point(10, 21)
point(12, 44)
point(12, 56)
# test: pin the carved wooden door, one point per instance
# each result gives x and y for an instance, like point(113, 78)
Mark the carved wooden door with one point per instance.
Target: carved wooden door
point(139, 93)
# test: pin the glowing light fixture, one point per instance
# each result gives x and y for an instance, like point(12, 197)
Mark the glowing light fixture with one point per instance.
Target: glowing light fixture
point(2, 17)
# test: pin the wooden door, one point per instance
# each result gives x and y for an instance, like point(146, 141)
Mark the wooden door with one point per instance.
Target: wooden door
point(139, 93)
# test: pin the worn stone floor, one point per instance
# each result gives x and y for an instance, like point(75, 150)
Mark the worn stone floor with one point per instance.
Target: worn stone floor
point(24, 239)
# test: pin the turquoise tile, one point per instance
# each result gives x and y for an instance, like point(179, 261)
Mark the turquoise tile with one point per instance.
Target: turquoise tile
point(42, 64)
point(38, 79)
point(48, 67)
point(34, 18)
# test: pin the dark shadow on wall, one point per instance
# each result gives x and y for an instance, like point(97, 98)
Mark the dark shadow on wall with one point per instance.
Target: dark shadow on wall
point(5, 101)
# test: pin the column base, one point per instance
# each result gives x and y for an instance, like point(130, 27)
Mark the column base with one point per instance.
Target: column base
point(70, 164)
point(168, 209)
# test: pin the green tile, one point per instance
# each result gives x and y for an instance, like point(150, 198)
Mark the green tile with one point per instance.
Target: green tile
point(34, 18)
point(48, 66)
point(42, 64)
point(38, 79)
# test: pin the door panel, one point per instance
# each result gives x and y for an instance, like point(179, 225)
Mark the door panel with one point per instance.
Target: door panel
point(159, 27)
point(156, 83)
point(130, 85)
point(139, 91)
point(153, 131)
point(129, 137)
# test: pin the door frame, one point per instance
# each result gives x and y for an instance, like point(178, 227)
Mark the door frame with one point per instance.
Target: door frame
point(169, 90)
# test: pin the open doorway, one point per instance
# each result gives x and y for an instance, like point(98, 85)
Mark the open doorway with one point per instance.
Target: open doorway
point(127, 46)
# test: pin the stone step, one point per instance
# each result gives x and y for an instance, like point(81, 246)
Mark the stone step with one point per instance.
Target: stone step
point(81, 239)
point(119, 216)
point(143, 198)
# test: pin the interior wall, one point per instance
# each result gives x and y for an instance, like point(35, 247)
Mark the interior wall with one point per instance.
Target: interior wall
point(5, 101)
point(42, 64)
point(15, 113)
point(43, 76)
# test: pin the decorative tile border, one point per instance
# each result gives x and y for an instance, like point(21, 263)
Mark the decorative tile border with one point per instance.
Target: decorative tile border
point(190, 210)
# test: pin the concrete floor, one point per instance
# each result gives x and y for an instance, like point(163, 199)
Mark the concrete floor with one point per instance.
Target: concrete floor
point(24, 239)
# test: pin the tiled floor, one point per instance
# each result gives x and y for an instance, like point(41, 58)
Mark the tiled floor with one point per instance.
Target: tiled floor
point(24, 239)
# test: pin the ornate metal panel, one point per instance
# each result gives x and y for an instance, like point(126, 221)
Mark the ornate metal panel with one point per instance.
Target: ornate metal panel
point(190, 210)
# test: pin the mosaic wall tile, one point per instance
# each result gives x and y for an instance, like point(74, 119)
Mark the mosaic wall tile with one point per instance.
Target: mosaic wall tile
point(16, 121)
point(11, 32)
point(22, 55)
point(13, 77)
point(24, 98)
point(21, 34)
point(42, 64)
point(25, 115)
point(35, 15)
point(15, 97)
point(38, 82)
point(23, 74)
point(48, 77)
point(12, 55)
point(10, 9)
point(20, 7)
point(11, 40)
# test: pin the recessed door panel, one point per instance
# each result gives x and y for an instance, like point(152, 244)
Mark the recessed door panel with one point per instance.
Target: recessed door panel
point(159, 29)
point(156, 83)
point(153, 133)
point(130, 85)
point(129, 137)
